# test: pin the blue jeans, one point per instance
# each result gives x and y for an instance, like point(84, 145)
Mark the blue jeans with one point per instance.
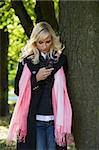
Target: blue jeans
point(45, 136)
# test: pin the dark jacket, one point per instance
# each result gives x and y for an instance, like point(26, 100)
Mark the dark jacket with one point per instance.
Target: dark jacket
point(36, 92)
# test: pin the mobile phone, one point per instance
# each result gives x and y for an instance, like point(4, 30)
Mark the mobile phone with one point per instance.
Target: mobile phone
point(49, 64)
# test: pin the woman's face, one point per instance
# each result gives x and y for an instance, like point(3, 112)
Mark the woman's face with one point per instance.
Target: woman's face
point(44, 45)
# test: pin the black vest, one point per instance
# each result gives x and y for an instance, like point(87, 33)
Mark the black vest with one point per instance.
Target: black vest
point(45, 103)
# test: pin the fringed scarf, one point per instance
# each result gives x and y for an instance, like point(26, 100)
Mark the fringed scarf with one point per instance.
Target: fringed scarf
point(18, 123)
point(62, 109)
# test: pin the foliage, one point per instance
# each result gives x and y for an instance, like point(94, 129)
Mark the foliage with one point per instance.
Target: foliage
point(17, 40)
point(17, 36)
point(56, 7)
point(7, 13)
point(30, 5)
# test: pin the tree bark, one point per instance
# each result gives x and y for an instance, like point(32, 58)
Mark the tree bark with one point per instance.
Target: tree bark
point(45, 12)
point(79, 28)
point(4, 111)
point(25, 19)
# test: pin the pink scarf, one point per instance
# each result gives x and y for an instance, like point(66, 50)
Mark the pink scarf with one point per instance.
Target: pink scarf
point(18, 124)
point(61, 107)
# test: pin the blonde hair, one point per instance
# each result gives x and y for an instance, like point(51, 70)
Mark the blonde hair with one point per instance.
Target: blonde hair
point(41, 30)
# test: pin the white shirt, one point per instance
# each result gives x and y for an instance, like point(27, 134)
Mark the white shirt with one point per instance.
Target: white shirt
point(44, 55)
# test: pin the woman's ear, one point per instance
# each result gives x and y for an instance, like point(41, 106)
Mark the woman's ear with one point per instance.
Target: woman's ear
point(35, 44)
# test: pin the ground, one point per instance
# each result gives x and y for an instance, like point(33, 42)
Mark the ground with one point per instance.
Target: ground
point(4, 122)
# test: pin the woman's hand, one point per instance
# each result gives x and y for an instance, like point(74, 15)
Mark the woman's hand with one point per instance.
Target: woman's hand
point(43, 73)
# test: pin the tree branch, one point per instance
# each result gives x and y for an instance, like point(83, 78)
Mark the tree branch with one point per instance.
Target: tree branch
point(25, 19)
point(45, 12)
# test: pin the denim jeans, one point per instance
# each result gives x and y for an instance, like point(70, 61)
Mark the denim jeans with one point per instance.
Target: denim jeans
point(45, 136)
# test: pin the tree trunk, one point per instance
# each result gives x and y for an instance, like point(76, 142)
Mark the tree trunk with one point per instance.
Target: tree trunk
point(79, 28)
point(3, 73)
point(25, 19)
point(45, 12)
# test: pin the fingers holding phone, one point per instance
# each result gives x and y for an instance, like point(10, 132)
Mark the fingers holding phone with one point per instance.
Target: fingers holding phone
point(43, 73)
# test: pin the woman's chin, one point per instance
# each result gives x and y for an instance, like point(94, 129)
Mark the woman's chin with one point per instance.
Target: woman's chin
point(45, 51)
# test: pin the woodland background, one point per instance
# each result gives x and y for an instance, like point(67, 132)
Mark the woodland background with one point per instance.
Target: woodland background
point(77, 23)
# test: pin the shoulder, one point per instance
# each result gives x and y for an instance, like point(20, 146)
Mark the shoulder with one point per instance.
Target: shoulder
point(29, 63)
point(21, 64)
point(62, 57)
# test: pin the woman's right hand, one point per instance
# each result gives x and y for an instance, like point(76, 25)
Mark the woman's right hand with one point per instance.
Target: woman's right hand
point(43, 73)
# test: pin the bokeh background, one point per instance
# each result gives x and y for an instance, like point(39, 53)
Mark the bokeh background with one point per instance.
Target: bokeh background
point(77, 23)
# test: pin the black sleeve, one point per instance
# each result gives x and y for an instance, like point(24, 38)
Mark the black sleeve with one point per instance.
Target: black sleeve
point(17, 78)
point(60, 63)
point(35, 84)
point(34, 69)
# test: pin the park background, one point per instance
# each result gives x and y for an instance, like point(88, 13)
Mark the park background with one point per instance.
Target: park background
point(77, 23)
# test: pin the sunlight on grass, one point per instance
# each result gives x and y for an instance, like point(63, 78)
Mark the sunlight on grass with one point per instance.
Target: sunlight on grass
point(4, 123)
point(3, 146)
point(3, 132)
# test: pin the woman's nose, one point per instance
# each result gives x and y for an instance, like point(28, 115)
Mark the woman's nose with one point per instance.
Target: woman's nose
point(44, 45)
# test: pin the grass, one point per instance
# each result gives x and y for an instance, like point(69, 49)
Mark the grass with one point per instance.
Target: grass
point(4, 123)
point(3, 146)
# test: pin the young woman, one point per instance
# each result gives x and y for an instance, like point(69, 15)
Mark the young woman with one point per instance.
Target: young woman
point(43, 56)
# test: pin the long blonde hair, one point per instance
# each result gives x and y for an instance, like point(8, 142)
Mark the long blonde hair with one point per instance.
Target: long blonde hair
point(41, 30)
